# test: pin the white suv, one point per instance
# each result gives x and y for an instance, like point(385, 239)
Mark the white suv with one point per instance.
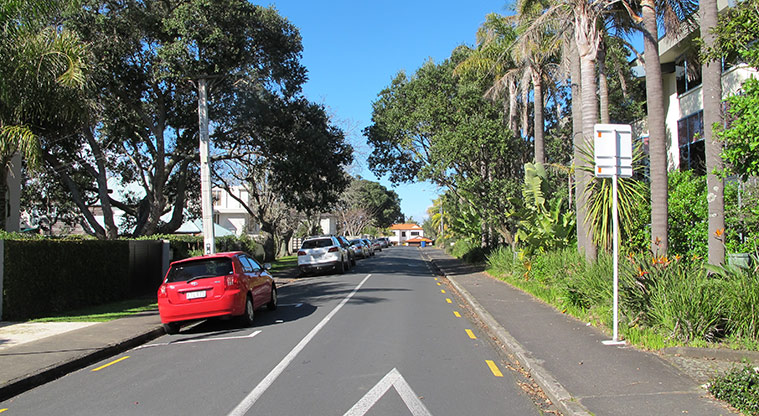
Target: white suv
point(320, 253)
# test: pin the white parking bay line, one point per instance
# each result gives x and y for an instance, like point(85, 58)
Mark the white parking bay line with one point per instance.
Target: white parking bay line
point(256, 393)
point(190, 341)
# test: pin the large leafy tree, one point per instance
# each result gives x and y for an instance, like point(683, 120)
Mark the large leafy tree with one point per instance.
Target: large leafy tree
point(436, 127)
point(145, 130)
point(367, 203)
point(42, 72)
point(296, 168)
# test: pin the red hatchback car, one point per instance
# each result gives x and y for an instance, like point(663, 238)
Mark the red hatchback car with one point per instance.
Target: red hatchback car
point(221, 284)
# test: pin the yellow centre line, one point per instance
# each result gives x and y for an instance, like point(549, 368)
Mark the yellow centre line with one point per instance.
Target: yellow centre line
point(436, 278)
point(2, 410)
point(438, 283)
point(470, 333)
point(111, 363)
point(448, 300)
point(456, 314)
point(494, 368)
point(442, 290)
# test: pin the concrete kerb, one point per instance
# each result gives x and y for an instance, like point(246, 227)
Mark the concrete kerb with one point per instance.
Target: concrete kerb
point(46, 375)
point(553, 389)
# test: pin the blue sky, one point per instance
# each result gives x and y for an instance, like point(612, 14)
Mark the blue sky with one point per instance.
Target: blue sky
point(352, 50)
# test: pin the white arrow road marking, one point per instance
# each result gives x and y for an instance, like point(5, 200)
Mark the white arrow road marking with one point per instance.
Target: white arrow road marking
point(190, 341)
point(256, 393)
point(392, 379)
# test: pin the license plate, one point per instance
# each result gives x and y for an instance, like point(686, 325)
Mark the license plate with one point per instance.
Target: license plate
point(196, 294)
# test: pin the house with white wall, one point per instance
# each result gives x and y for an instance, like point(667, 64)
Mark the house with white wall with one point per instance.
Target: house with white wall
point(229, 213)
point(404, 232)
point(683, 96)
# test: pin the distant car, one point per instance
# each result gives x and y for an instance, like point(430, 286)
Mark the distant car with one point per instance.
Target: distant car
point(370, 245)
point(323, 253)
point(376, 244)
point(347, 246)
point(384, 242)
point(221, 284)
point(359, 248)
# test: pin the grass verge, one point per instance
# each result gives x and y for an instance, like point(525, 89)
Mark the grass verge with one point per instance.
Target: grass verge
point(105, 312)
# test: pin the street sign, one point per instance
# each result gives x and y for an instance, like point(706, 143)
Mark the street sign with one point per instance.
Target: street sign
point(613, 156)
point(612, 150)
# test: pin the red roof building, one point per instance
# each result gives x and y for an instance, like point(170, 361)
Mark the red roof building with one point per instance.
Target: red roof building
point(404, 232)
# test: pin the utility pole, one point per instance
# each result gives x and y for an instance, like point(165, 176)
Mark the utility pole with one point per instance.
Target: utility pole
point(206, 200)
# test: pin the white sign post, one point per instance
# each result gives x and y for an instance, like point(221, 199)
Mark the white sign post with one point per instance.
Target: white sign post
point(613, 157)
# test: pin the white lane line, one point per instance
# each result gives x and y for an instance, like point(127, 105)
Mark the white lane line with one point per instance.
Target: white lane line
point(297, 305)
point(256, 393)
point(190, 341)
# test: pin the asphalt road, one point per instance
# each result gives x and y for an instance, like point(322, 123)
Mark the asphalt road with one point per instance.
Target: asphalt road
point(383, 339)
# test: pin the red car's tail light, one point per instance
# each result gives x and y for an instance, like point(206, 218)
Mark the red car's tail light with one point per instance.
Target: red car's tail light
point(162, 291)
point(333, 250)
point(231, 280)
point(301, 253)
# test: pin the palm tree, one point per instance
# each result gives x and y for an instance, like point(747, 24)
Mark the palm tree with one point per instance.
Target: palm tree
point(672, 13)
point(657, 143)
point(538, 51)
point(711, 73)
point(492, 59)
point(42, 63)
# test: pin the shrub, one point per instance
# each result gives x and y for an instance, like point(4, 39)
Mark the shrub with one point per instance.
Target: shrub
point(677, 297)
point(687, 214)
point(50, 276)
point(468, 251)
point(741, 296)
point(740, 388)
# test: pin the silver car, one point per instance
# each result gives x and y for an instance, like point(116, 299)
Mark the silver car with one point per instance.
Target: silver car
point(359, 248)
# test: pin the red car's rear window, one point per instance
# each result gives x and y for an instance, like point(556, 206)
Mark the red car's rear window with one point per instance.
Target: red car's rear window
point(200, 268)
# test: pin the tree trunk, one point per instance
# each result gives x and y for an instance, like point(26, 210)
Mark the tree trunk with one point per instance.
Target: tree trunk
point(3, 192)
point(577, 143)
point(513, 105)
point(657, 138)
point(525, 104)
point(603, 86)
point(101, 178)
point(587, 37)
point(269, 245)
point(538, 126)
point(711, 73)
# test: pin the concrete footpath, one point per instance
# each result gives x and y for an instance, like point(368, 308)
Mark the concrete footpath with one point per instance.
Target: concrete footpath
point(566, 357)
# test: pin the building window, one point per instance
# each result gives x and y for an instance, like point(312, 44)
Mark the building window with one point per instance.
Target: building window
point(216, 195)
point(403, 233)
point(216, 218)
point(690, 138)
point(688, 75)
point(415, 233)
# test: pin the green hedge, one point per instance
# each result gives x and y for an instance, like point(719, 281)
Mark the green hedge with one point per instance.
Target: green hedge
point(44, 277)
point(184, 246)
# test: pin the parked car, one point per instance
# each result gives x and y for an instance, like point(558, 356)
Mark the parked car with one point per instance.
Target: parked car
point(370, 245)
point(221, 284)
point(376, 244)
point(322, 253)
point(347, 246)
point(359, 248)
point(384, 242)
